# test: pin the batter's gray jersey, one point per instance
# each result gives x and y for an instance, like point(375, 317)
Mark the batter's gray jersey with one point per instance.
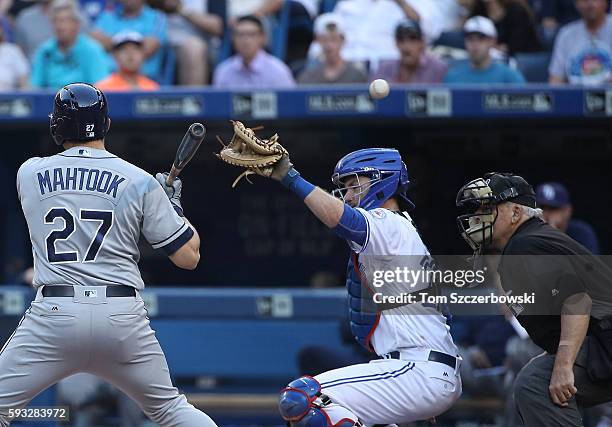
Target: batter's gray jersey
point(86, 209)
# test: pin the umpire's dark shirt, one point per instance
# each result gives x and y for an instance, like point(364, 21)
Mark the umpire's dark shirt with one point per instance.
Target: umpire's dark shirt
point(541, 259)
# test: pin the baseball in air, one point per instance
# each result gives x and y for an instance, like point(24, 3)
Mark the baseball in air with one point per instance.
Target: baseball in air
point(379, 89)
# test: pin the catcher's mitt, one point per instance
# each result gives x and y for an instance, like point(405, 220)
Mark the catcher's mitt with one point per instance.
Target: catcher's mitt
point(256, 155)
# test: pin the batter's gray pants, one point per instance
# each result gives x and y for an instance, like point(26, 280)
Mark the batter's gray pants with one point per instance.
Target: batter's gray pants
point(107, 337)
point(533, 400)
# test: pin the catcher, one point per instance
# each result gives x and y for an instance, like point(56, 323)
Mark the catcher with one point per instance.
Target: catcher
point(417, 376)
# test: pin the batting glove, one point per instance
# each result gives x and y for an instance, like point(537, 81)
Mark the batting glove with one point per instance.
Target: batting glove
point(173, 192)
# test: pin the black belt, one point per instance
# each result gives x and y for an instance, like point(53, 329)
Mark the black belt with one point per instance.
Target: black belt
point(434, 356)
point(68, 291)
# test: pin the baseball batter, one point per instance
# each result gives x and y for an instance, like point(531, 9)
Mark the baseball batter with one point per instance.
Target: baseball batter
point(86, 209)
point(417, 376)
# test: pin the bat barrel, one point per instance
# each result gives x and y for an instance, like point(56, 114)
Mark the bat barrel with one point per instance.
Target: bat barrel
point(197, 130)
point(187, 149)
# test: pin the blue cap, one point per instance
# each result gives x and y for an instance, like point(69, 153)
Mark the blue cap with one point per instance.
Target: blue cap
point(552, 194)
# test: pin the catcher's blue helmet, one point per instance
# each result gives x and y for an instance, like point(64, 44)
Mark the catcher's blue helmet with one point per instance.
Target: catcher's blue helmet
point(80, 113)
point(387, 172)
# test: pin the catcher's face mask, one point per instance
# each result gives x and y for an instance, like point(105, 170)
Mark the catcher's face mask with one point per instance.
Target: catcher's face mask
point(352, 188)
point(476, 226)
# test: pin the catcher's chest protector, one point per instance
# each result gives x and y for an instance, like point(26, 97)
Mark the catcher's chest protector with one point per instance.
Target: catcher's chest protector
point(362, 317)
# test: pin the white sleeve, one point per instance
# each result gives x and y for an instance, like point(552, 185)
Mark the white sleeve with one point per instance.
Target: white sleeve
point(379, 233)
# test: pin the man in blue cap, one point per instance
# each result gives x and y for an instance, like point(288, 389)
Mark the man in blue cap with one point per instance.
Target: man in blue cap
point(554, 200)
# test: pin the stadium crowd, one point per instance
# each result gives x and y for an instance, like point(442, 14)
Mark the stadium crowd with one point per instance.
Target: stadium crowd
point(135, 45)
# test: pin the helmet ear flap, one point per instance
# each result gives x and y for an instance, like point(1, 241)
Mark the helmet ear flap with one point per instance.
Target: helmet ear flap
point(54, 126)
point(404, 181)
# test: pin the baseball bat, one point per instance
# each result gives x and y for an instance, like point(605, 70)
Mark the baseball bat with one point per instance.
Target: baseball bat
point(186, 150)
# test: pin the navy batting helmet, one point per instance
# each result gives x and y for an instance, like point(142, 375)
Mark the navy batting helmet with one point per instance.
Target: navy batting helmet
point(80, 113)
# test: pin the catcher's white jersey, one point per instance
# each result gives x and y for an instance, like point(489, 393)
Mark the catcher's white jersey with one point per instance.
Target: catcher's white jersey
point(393, 243)
point(411, 388)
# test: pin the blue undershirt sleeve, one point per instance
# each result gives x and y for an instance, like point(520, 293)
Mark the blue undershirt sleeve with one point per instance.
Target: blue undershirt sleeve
point(352, 226)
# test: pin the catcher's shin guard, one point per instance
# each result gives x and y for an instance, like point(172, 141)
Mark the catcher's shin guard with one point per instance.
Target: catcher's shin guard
point(301, 404)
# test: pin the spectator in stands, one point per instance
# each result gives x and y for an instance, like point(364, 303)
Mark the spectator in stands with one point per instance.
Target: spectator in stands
point(69, 56)
point(480, 38)
point(300, 23)
point(33, 25)
point(129, 55)
point(14, 66)
point(252, 66)
point(334, 69)
point(370, 24)
point(514, 22)
point(415, 65)
point(583, 49)
point(551, 14)
point(190, 28)
point(5, 6)
point(554, 200)
point(134, 15)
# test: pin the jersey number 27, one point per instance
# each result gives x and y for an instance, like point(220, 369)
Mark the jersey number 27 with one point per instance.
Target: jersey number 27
point(106, 222)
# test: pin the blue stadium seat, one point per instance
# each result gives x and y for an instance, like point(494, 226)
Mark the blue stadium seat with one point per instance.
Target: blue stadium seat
point(225, 51)
point(219, 8)
point(289, 21)
point(168, 66)
point(534, 66)
point(280, 32)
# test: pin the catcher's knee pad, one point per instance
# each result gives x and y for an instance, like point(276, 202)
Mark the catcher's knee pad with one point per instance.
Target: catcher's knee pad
point(302, 405)
point(298, 398)
point(318, 417)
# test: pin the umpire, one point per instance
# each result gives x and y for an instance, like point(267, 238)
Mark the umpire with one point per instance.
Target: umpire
point(571, 316)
